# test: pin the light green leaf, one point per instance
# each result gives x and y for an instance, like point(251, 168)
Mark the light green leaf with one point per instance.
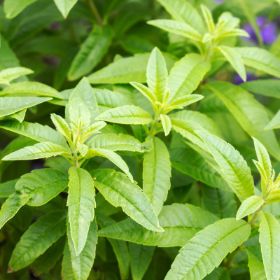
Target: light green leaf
point(249, 206)
point(41, 185)
point(260, 59)
point(127, 114)
point(186, 75)
point(270, 244)
point(177, 27)
point(13, 7)
point(207, 15)
point(183, 101)
point(35, 131)
point(156, 74)
point(274, 123)
point(230, 164)
point(182, 10)
point(82, 263)
point(10, 74)
point(114, 158)
point(156, 173)
point(179, 221)
point(235, 59)
point(65, 6)
point(61, 126)
point(91, 52)
point(7, 188)
point(115, 142)
point(121, 192)
point(145, 91)
point(37, 151)
point(11, 105)
point(207, 249)
point(140, 258)
point(166, 124)
point(11, 206)
point(81, 204)
point(251, 115)
point(28, 88)
point(255, 265)
point(37, 239)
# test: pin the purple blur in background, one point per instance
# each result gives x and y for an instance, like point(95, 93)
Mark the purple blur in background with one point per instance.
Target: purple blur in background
point(237, 80)
point(268, 31)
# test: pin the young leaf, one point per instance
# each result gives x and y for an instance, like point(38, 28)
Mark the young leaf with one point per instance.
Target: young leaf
point(208, 248)
point(145, 91)
point(128, 114)
point(157, 74)
point(260, 59)
point(11, 105)
point(91, 52)
point(11, 206)
point(10, 74)
point(65, 6)
point(41, 185)
point(81, 204)
point(37, 239)
point(207, 15)
point(235, 59)
point(82, 263)
point(186, 75)
point(13, 7)
point(37, 151)
point(249, 206)
point(156, 173)
point(61, 126)
point(274, 123)
point(121, 192)
point(179, 221)
point(270, 244)
point(178, 28)
point(166, 124)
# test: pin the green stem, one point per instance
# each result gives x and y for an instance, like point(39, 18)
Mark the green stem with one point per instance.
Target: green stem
point(95, 12)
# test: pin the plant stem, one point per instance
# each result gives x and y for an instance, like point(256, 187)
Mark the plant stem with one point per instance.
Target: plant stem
point(95, 12)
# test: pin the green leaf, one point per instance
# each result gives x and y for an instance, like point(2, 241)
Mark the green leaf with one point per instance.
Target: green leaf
point(260, 59)
point(156, 173)
point(62, 126)
point(255, 265)
point(115, 142)
point(179, 221)
point(82, 263)
point(37, 239)
point(65, 6)
point(81, 108)
point(11, 105)
point(127, 114)
point(206, 250)
point(230, 164)
point(91, 52)
point(41, 185)
point(183, 101)
point(140, 258)
point(249, 206)
point(157, 74)
point(81, 204)
point(28, 88)
point(37, 151)
point(177, 27)
point(10, 74)
point(182, 10)
point(115, 159)
point(270, 244)
point(11, 206)
point(186, 75)
point(7, 188)
point(121, 192)
point(166, 124)
point(275, 122)
point(145, 91)
point(125, 70)
point(251, 115)
point(235, 59)
point(35, 131)
point(13, 7)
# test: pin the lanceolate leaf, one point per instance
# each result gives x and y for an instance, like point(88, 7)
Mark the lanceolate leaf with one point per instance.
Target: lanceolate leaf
point(208, 248)
point(128, 114)
point(274, 123)
point(81, 204)
point(156, 173)
point(91, 52)
point(11, 105)
point(179, 221)
point(37, 239)
point(10, 74)
point(121, 192)
point(270, 244)
point(13, 7)
point(65, 6)
point(249, 206)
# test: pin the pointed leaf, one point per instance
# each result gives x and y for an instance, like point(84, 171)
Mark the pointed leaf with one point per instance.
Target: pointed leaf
point(166, 124)
point(275, 122)
point(10, 74)
point(249, 206)
point(13, 7)
point(65, 6)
